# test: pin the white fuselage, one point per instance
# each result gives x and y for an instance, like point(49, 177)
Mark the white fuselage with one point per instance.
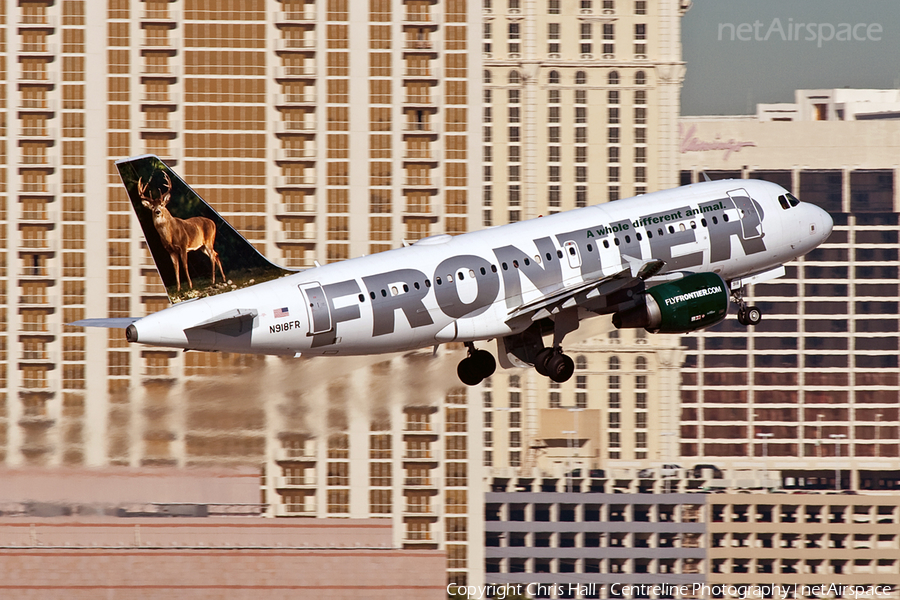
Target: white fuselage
point(464, 288)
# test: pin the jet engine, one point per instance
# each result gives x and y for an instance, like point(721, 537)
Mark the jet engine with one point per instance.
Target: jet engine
point(694, 302)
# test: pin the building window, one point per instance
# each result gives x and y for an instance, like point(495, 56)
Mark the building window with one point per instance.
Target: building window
point(615, 401)
point(553, 78)
point(614, 440)
point(581, 154)
point(488, 458)
point(581, 135)
point(640, 7)
point(613, 174)
point(515, 195)
point(553, 7)
point(554, 173)
point(613, 96)
point(554, 153)
point(581, 174)
point(640, 154)
point(613, 78)
point(553, 196)
point(612, 135)
point(613, 193)
point(514, 133)
point(554, 400)
point(615, 420)
point(553, 135)
point(553, 114)
point(640, 174)
point(515, 400)
point(613, 115)
point(640, 400)
point(640, 420)
point(613, 154)
point(581, 399)
point(640, 135)
point(640, 115)
point(640, 31)
point(614, 365)
point(640, 78)
point(640, 97)
point(580, 78)
point(640, 439)
point(515, 459)
point(581, 196)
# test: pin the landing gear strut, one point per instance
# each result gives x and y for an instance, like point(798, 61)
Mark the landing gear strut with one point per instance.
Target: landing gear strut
point(478, 365)
point(747, 315)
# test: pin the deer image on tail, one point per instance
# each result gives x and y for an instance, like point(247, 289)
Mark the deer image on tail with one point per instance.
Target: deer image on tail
point(180, 236)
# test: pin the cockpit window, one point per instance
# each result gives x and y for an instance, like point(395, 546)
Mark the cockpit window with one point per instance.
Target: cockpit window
point(783, 201)
point(792, 199)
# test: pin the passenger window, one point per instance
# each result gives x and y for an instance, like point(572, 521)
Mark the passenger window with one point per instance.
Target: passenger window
point(427, 283)
point(693, 224)
point(715, 221)
point(527, 262)
point(572, 250)
point(362, 298)
point(671, 229)
point(549, 256)
point(437, 280)
point(384, 293)
point(493, 268)
point(416, 284)
point(393, 290)
point(616, 240)
point(703, 222)
point(537, 258)
point(483, 272)
point(725, 218)
point(606, 243)
point(505, 267)
point(449, 278)
point(559, 254)
point(638, 236)
point(472, 273)
point(681, 227)
point(516, 264)
point(405, 288)
point(627, 239)
point(372, 295)
point(660, 231)
point(649, 235)
point(458, 275)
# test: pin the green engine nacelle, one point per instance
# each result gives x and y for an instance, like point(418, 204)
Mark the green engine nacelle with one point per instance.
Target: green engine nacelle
point(688, 304)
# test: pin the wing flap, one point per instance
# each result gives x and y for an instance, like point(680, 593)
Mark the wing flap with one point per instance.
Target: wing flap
point(588, 292)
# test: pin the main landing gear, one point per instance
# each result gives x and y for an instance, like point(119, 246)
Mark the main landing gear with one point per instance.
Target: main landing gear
point(478, 365)
point(552, 363)
point(747, 315)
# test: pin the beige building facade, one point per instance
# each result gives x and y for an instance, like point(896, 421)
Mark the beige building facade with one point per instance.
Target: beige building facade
point(581, 103)
point(322, 131)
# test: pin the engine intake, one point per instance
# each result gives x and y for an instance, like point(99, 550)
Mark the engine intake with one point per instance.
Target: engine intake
point(688, 304)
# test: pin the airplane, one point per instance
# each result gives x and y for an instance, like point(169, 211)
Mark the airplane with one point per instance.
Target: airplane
point(671, 261)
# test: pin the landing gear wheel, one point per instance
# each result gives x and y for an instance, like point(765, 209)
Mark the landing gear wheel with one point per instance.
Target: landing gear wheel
point(476, 366)
point(484, 363)
point(560, 367)
point(742, 316)
point(752, 315)
point(540, 361)
point(468, 371)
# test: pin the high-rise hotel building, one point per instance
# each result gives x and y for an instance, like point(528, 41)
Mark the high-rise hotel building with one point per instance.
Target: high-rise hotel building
point(816, 385)
point(322, 130)
point(581, 106)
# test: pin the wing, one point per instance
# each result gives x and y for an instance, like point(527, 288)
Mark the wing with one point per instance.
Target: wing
point(590, 294)
point(112, 323)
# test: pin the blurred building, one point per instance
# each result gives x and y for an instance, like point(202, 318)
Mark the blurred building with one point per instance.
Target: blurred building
point(320, 137)
point(816, 384)
point(163, 532)
point(581, 104)
point(578, 538)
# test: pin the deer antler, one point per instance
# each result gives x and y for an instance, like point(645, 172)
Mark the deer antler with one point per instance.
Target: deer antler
point(165, 196)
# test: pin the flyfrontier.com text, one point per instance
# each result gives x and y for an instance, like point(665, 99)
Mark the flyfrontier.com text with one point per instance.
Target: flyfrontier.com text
point(692, 295)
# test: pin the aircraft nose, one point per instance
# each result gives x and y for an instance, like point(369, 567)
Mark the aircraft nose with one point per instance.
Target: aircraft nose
point(825, 223)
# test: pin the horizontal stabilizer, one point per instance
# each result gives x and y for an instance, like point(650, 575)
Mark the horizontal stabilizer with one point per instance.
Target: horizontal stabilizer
point(120, 323)
point(232, 323)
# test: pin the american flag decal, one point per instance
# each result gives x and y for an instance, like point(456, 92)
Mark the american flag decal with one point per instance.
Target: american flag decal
point(281, 312)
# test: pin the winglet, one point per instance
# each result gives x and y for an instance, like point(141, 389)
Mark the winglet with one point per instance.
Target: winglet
point(196, 251)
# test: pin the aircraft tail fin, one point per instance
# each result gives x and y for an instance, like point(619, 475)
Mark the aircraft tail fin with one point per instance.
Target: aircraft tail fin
point(196, 251)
